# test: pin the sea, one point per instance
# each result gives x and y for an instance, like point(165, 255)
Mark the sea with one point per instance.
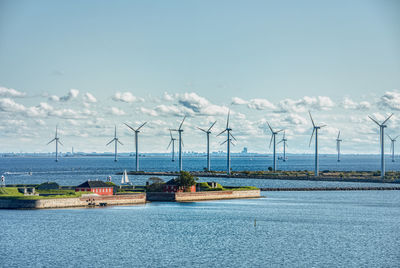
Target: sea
point(281, 229)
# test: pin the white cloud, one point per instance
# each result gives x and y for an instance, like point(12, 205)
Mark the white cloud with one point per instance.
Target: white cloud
point(169, 110)
point(8, 105)
point(260, 104)
point(72, 94)
point(148, 111)
point(391, 99)
point(127, 97)
point(116, 111)
point(295, 119)
point(196, 104)
point(238, 101)
point(301, 105)
point(11, 93)
point(167, 97)
point(350, 104)
point(90, 98)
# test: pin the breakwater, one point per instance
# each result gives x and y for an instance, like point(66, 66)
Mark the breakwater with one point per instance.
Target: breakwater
point(201, 196)
point(276, 176)
point(333, 189)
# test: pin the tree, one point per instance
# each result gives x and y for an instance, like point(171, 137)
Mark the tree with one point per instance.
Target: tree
point(186, 179)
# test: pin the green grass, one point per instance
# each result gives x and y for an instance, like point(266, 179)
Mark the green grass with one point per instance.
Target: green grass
point(13, 193)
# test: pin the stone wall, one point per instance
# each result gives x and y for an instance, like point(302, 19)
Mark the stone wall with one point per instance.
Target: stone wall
point(88, 200)
point(210, 195)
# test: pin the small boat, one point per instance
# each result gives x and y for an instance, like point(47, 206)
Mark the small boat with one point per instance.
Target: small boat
point(125, 179)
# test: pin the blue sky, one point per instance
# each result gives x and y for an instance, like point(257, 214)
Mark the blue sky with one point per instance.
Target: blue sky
point(159, 60)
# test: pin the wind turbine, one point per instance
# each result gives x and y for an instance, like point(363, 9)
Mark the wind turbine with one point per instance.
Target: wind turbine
point(180, 130)
point(338, 141)
point(284, 140)
point(273, 138)
point(315, 129)
point(382, 141)
point(57, 140)
point(392, 145)
point(116, 140)
point(172, 141)
point(136, 142)
point(208, 132)
point(228, 144)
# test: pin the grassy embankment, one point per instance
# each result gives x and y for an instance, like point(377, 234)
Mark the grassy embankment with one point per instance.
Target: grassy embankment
point(13, 193)
point(205, 187)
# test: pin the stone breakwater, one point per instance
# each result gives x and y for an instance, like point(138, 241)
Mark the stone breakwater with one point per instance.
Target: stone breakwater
point(201, 196)
point(84, 201)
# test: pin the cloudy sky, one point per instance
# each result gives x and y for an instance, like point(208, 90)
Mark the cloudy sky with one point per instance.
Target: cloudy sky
point(87, 65)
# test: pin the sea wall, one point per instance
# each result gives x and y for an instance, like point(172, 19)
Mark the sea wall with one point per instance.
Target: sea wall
point(88, 200)
point(215, 195)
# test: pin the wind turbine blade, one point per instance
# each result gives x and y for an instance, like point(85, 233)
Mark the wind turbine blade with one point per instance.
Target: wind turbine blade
point(389, 137)
point(311, 137)
point(387, 119)
point(279, 131)
point(227, 121)
point(120, 142)
point(51, 141)
point(233, 143)
point(212, 126)
point(280, 141)
point(202, 130)
point(270, 127)
point(284, 134)
point(115, 131)
point(169, 144)
point(311, 119)
point(141, 126)
point(232, 136)
point(396, 137)
point(338, 135)
point(376, 122)
point(180, 126)
point(183, 145)
point(223, 142)
point(170, 133)
point(110, 141)
point(221, 132)
point(60, 142)
point(270, 142)
point(129, 126)
point(173, 129)
point(322, 126)
point(286, 144)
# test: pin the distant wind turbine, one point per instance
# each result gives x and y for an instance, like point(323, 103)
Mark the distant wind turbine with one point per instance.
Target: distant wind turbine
point(315, 130)
point(172, 141)
point(57, 141)
point(393, 140)
point(284, 140)
point(338, 141)
point(136, 142)
point(273, 138)
point(116, 140)
point(208, 132)
point(382, 141)
point(228, 144)
point(180, 130)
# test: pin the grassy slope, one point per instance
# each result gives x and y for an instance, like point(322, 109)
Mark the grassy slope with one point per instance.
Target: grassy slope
point(13, 193)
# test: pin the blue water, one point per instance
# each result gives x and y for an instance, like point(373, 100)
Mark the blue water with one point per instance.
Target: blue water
point(293, 229)
point(73, 171)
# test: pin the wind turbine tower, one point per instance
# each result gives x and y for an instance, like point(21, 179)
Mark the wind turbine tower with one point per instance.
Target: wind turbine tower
point(172, 141)
point(208, 132)
point(116, 141)
point(180, 130)
point(338, 141)
point(315, 130)
point(393, 140)
point(284, 140)
point(228, 145)
point(136, 142)
point(273, 138)
point(57, 141)
point(382, 141)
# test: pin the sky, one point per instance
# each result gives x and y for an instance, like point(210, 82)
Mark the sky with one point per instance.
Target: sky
point(89, 65)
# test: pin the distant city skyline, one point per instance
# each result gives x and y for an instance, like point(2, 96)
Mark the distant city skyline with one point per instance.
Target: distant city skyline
point(86, 66)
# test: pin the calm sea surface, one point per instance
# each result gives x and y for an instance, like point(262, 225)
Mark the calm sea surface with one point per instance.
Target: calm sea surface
point(293, 229)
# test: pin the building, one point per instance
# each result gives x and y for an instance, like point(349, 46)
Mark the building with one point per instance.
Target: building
point(171, 187)
point(97, 187)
